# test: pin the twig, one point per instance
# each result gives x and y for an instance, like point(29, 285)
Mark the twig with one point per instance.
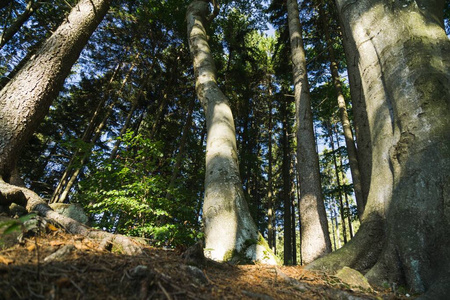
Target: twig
point(17, 293)
point(34, 294)
point(75, 285)
point(38, 266)
point(164, 291)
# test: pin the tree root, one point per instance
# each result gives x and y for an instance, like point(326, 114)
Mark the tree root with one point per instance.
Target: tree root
point(361, 253)
point(23, 196)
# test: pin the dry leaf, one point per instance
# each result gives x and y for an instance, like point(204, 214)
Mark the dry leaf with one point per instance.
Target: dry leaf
point(56, 243)
point(6, 261)
point(31, 247)
point(52, 227)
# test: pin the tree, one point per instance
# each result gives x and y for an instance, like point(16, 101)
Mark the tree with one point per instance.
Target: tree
point(230, 231)
point(348, 134)
point(26, 98)
point(404, 57)
point(9, 33)
point(40, 80)
point(314, 226)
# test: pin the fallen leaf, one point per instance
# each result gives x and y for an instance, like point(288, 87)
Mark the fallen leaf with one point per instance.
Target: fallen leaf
point(6, 261)
point(52, 227)
point(56, 243)
point(31, 247)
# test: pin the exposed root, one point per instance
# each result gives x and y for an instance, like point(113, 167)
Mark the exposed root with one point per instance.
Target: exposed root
point(361, 253)
point(35, 203)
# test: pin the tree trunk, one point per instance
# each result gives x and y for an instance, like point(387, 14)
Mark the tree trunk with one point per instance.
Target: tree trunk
point(182, 147)
point(347, 206)
point(338, 181)
point(360, 118)
point(25, 100)
point(348, 134)
point(70, 175)
point(404, 62)
point(315, 237)
point(270, 208)
point(286, 192)
point(230, 231)
point(8, 33)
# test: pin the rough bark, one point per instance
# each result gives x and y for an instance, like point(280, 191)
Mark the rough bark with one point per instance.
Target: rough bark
point(25, 100)
point(315, 237)
point(405, 67)
point(229, 229)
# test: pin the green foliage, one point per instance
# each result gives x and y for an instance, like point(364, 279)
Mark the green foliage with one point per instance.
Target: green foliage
point(18, 225)
point(129, 195)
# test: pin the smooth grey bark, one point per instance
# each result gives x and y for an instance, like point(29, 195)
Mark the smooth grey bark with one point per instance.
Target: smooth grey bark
point(404, 57)
point(25, 100)
point(314, 235)
point(229, 229)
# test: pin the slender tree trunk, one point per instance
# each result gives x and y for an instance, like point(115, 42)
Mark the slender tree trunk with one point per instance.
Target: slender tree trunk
point(315, 236)
point(285, 172)
point(347, 206)
point(25, 100)
point(293, 219)
point(348, 134)
point(182, 147)
point(8, 33)
point(270, 206)
point(404, 63)
point(85, 138)
point(229, 228)
point(338, 181)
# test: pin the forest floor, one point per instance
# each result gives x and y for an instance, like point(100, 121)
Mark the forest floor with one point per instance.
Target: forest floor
point(85, 272)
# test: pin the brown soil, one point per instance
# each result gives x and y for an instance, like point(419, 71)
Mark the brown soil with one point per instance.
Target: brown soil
point(87, 272)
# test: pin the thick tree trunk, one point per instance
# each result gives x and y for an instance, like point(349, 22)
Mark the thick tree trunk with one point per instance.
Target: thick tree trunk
point(315, 237)
point(25, 100)
point(230, 231)
point(405, 67)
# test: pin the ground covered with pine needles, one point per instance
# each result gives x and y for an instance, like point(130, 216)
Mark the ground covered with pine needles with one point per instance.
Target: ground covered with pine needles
point(57, 265)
